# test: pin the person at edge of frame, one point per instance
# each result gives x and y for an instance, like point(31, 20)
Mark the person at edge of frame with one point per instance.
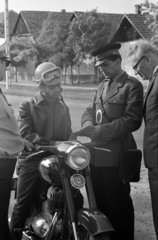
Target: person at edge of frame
point(144, 59)
point(43, 120)
point(11, 144)
point(115, 112)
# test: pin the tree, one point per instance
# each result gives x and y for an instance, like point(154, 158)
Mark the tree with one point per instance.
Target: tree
point(53, 37)
point(151, 11)
point(88, 31)
point(22, 49)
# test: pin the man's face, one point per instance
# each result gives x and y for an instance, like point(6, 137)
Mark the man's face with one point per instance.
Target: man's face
point(109, 68)
point(52, 91)
point(141, 67)
point(2, 69)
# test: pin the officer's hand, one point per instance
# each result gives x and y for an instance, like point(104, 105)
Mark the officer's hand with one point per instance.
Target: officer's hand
point(96, 132)
point(28, 145)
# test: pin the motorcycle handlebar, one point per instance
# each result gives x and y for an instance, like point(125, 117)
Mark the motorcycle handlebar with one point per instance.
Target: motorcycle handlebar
point(53, 149)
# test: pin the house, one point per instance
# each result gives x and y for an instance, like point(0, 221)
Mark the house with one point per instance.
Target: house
point(30, 22)
point(12, 20)
point(124, 28)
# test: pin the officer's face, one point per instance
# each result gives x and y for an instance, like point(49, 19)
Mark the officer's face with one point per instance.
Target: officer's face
point(52, 91)
point(2, 69)
point(110, 68)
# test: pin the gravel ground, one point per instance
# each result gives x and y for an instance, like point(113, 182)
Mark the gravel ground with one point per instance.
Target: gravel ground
point(144, 229)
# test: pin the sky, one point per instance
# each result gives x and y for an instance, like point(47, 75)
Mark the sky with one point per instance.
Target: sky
point(108, 6)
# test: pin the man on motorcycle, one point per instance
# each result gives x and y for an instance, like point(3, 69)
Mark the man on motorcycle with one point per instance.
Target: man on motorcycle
point(115, 112)
point(43, 120)
point(11, 143)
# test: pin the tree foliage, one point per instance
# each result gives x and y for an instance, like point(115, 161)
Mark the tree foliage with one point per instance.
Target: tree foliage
point(54, 37)
point(151, 11)
point(21, 50)
point(88, 31)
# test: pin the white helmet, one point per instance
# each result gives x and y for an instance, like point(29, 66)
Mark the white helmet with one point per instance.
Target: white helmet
point(42, 68)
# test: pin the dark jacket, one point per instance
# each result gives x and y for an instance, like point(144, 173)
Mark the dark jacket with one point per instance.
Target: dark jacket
point(150, 112)
point(119, 112)
point(41, 121)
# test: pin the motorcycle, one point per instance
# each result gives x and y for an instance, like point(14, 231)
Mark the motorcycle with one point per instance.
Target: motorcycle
point(61, 214)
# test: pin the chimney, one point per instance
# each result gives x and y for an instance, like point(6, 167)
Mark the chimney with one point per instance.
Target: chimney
point(63, 10)
point(137, 9)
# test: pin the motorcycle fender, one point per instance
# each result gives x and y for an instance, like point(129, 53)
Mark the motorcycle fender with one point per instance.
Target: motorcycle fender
point(94, 221)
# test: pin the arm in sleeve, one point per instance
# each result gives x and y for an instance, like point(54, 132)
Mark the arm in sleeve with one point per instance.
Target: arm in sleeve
point(132, 118)
point(88, 117)
point(68, 127)
point(26, 125)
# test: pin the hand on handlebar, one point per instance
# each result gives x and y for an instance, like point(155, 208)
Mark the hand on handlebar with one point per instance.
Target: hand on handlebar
point(28, 145)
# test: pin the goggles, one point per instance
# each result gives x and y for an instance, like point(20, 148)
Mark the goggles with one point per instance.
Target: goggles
point(5, 59)
point(51, 77)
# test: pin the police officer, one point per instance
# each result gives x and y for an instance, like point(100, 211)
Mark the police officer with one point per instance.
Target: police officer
point(115, 112)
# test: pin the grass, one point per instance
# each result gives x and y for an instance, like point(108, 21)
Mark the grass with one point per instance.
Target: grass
point(84, 93)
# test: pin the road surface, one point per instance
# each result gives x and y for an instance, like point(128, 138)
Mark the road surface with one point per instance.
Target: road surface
point(144, 229)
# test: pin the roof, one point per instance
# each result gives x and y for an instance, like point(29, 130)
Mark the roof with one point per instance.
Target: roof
point(34, 20)
point(114, 20)
point(13, 16)
point(139, 23)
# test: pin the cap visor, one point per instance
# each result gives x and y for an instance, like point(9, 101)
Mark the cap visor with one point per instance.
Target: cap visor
point(98, 63)
point(54, 81)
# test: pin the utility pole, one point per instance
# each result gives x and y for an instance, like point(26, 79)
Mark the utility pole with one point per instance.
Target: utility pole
point(7, 38)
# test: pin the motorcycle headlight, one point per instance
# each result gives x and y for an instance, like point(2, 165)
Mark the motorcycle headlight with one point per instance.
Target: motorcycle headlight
point(78, 157)
point(41, 224)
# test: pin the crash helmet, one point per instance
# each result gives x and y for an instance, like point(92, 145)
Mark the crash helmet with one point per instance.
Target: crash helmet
point(42, 68)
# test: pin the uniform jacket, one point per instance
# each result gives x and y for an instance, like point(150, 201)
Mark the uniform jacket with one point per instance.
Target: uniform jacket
point(119, 112)
point(150, 113)
point(41, 121)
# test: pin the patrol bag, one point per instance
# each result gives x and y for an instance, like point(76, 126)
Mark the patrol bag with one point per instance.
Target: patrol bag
point(129, 165)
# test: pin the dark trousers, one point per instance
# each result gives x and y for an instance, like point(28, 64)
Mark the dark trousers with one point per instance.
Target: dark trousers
point(113, 199)
point(7, 167)
point(28, 184)
point(153, 182)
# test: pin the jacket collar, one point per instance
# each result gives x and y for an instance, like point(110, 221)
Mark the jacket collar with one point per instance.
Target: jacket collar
point(39, 97)
point(116, 85)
